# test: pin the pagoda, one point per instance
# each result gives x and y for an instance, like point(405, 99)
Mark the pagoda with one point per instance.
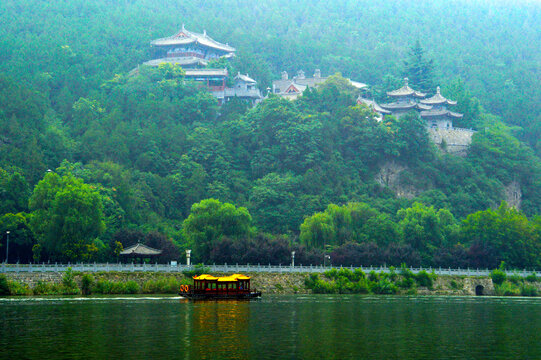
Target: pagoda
point(406, 99)
point(438, 116)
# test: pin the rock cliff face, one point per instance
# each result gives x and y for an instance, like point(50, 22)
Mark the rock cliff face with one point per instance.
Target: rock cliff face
point(513, 194)
point(389, 176)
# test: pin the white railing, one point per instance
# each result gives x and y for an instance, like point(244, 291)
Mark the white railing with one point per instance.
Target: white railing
point(237, 268)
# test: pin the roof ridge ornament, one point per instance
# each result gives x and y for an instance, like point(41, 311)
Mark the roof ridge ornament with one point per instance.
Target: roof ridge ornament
point(406, 80)
point(438, 90)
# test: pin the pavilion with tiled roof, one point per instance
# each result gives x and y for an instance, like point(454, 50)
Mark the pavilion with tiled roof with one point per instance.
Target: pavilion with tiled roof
point(140, 251)
point(406, 100)
point(438, 116)
point(191, 44)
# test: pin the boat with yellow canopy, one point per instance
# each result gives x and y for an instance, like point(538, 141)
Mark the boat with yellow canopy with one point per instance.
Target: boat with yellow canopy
point(205, 286)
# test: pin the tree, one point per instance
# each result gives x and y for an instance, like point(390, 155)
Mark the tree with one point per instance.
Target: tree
point(424, 228)
point(21, 238)
point(513, 238)
point(418, 69)
point(210, 220)
point(67, 215)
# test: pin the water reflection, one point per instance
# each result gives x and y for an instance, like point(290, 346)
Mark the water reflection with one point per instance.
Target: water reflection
point(219, 329)
point(310, 327)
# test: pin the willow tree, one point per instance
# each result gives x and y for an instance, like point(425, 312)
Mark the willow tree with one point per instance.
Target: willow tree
point(67, 216)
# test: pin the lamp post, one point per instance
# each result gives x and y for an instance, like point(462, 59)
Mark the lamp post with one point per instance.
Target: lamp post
point(293, 258)
point(188, 254)
point(7, 246)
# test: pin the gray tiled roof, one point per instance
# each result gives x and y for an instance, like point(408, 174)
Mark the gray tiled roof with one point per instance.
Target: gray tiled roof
point(440, 113)
point(185, 37)
point(140, 249)
point(406, 91)
point(438, 99)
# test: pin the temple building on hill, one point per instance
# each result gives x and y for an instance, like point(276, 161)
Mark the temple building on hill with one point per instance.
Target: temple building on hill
point(406, 99)
point(438, 116)
point(192, 51)
point(293, 88)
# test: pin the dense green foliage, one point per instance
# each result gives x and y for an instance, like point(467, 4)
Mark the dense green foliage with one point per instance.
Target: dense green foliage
point(147, 156)
point(345, 281)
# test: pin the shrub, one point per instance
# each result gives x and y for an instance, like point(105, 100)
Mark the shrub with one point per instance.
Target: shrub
point(384, 286)
point(69, 286)
point(359, 274)
point(424, 279)
point(87, 281)
point(528, 290)
point(373, 276)
point(531, 278)
point(132, 287)
point(16, 288)
point(103, 287)
point(405, 272)
point(4, 286)
point(161, 285)
point(45, 288)
point(498, 276)
point(361, 287)
point(392, 273)
point(311, 280)
point(454, 285)
point(515, 279)
point(331, 274)
point(406, 283)
point(507, 289)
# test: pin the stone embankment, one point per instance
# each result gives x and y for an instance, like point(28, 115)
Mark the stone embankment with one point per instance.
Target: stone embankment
point(271, 283)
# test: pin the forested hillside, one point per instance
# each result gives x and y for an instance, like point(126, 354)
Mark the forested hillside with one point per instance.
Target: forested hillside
point(93, 159)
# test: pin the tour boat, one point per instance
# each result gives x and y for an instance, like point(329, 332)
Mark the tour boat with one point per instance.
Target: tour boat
point(236, 286)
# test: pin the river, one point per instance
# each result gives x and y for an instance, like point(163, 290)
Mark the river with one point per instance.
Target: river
point(275, 327)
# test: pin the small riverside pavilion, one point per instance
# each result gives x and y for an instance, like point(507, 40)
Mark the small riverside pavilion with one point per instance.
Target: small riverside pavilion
point(140, 251)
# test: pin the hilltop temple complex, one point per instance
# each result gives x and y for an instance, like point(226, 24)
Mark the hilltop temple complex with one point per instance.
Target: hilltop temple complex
point(193, 51)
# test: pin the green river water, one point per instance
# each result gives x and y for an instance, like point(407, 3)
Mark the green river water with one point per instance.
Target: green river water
point(275, 327)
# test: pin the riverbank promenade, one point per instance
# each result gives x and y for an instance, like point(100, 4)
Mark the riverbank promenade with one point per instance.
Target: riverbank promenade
point(236, 268)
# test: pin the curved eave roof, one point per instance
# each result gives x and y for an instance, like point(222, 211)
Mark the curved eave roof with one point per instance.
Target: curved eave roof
point(406, 91)
point(438, 99)
point(245, 78)
point(440, 113)
point(140, 249)
point(374, 106)
point(399, 106)
point(185, 37)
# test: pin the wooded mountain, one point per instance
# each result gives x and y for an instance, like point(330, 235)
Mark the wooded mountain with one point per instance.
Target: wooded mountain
point(151, 145)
